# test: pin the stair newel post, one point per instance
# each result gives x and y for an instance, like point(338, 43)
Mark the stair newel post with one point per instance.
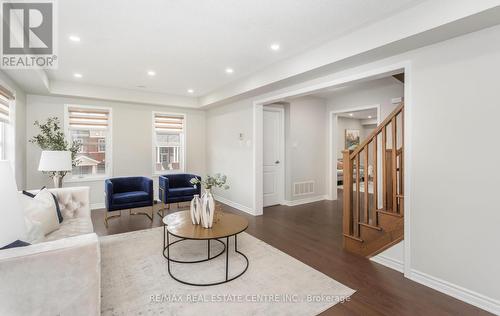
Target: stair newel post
point(384, 168)
point(375, 180)
point(347, 194)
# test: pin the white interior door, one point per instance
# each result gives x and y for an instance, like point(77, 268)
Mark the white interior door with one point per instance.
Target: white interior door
point(273, 179)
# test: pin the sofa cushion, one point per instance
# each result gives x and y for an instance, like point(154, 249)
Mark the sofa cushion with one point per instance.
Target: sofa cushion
point(72, 227)
point(130, 197)
point(173, 192)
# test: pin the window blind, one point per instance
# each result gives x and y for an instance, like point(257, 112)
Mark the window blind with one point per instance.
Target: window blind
point(5, 100)
point(87, 118)
point(168, 123)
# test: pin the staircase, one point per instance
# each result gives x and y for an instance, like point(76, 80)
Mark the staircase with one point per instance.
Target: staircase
point(373, 213)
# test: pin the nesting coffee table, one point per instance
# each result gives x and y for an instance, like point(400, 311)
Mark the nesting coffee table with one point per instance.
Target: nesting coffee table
point(179, 225)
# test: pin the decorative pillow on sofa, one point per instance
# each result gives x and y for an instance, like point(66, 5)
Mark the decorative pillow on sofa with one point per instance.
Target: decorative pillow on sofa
point(41, 209)
point(56, 203)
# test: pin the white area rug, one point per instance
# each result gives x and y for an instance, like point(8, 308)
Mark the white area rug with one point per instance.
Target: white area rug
point(135, 280)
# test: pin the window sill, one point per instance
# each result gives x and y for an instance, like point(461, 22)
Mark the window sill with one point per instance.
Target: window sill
point(86, 179)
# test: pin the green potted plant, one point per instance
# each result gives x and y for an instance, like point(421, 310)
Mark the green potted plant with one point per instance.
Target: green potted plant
point(51, 137)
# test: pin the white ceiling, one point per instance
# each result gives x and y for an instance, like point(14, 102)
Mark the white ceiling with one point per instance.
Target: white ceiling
point(360, 115)
point(190, 43)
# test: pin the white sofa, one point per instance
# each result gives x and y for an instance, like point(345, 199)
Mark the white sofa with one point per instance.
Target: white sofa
point(61, 275)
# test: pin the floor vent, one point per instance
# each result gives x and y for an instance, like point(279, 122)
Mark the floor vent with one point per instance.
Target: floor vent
point(303, 188)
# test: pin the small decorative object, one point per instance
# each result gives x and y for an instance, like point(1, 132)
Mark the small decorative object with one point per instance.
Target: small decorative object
point(207, 200)
point(207, 209)
point(351, 138)
point(51, 138)
point(195, 209)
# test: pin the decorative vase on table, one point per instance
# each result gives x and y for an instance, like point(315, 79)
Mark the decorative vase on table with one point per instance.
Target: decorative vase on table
point(195, 209)
point(207, 209)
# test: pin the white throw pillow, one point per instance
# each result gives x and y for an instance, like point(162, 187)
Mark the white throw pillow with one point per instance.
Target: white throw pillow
point(34, 232)
point(41, 209)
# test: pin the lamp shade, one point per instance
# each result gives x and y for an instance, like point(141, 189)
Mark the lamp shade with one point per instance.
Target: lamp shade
point(12, 225)
point(55, 161)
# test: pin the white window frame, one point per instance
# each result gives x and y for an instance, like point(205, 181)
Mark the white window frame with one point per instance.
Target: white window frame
point(3, 141)
point(183, 143)
point(9, 130)
point(109, 143)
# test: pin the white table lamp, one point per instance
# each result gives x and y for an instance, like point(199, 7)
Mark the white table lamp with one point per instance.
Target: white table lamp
point(55, 161)
point(12, 225)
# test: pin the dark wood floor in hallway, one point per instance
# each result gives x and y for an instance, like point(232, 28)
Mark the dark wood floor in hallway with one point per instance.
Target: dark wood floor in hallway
point(312, 234)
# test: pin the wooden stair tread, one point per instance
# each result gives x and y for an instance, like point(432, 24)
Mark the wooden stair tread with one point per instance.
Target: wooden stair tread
point(353, 238)
point(370, 226)
point(382, 211)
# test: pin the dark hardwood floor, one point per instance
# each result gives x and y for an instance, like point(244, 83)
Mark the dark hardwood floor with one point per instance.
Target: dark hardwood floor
point(312, 234)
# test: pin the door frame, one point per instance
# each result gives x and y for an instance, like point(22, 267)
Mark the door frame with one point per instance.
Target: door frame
point(333, 146)
point(369, 71)
point(282, 180)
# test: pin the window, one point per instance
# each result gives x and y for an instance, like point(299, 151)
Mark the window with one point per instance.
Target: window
point(90, 126)
point(168, 143)
point(6, 98)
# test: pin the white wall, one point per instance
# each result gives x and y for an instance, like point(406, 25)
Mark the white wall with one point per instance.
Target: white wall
point(305, 145)
point(16, 133)
point(453, 211)
point(227, 154)
point(131, 139)
point(374, 92)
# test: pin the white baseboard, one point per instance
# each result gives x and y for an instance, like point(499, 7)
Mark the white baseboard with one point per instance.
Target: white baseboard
point(237, 206)
point(96, 206)
point(305, 201)
point(389, 262)
point(479, 300)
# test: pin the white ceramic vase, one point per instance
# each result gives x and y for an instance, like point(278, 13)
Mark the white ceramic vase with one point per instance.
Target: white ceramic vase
point(195, 209)
point(207, 209)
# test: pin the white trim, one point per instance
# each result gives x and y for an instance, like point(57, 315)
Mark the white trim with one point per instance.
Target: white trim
point(373, 72)
point(282, 183)
point(333, 146)
point(389, 262)
point(479, 300)
point(235, 205)
point(109, 143)
point(183, 143)
point(96, 206)
point(305, 200)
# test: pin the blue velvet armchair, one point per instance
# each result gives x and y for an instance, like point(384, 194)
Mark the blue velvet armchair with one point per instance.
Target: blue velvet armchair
point(128, 193)
point(175, 188)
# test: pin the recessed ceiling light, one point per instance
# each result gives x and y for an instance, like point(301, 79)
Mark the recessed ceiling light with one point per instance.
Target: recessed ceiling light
point(151, 73)
point(74, 38)
point(141, 86)
point(275, 46)
point(351, 114)
point(77, 75)
point(190, 91)
point(369, 116)
point(229, 70)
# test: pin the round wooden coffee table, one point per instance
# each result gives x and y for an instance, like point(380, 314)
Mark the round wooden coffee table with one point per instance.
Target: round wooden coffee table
point(179, 225)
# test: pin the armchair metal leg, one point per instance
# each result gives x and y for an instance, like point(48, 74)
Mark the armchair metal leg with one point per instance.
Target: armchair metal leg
point(106, 217)
point(142, 213)
point(163, 210)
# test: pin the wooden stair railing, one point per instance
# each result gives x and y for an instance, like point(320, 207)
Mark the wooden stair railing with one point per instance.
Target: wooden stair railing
point(362, 222)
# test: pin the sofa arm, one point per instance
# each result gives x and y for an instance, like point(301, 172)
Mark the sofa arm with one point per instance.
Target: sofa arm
point(147, 185)
point(60, 277)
